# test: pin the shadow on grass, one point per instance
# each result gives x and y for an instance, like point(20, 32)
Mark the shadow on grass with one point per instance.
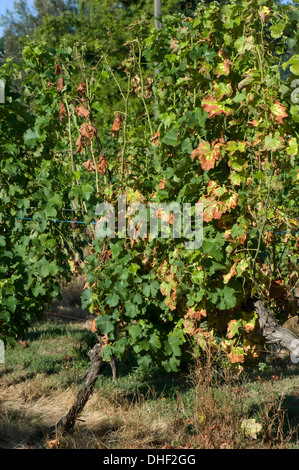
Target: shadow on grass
point(280, 418)
point(135, 383)
point(57, 328)
point(291, 406)
point(130, 376)
point(17, 433)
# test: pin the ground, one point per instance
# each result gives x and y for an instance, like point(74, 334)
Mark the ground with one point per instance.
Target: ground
point(201, 407)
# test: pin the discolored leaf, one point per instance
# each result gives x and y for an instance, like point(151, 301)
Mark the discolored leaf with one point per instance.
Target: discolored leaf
point(155, 139)
point(62, 111)
point(162, 183)
point(236, 355)
point(218, 201)
point(279, 112)
point(87, 132)
point(223, 68)
point(101, 165)
point(82, 112)
point(117, 124)
point(60, 84)
point(292, 148)
point(58, 69)
point(214, 107)
point(222, 89)
point(232, 328)
point(251, 428)
point(273, 142)
point(81, 88)
point(207, 154)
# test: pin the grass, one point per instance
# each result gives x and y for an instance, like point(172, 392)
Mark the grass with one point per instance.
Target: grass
point(203, 407)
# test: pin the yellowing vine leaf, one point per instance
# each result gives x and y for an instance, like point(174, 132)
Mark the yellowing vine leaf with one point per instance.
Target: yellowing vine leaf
point(279, 112)
point(232, 328)
point(273, 142)
point(207, 154)
point(222, 89)
point(214, 107)
point(236, 355)
point(251, 428)
point(233, 146)
point(243, 44)
point(223, 68)
point(218, 201)
point(232, 272)
point(168, 289)
point(292, 148)
point(263, 13)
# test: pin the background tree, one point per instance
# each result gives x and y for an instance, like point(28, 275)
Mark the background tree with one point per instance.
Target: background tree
point(22, 21)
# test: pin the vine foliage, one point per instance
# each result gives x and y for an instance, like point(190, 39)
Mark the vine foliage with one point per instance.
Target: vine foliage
point(204, 114)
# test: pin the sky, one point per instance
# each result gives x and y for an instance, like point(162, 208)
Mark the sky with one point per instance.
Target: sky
point(8, 4)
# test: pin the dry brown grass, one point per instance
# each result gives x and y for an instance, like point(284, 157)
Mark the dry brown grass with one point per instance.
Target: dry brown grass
point(206, 415)
point(106, 422)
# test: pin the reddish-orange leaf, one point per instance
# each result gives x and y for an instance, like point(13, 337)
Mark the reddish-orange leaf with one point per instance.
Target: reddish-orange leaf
point(58, 69)
point(89, 165)
point(248, 327)
point(223, 68)
point(218, 201)
point(79, 143)
point(116, 124)
point(234, 357)
point(102, 165)
point(81, 88)
point(207, 154)
point(253, 122)
point(162, 184)
point(60, 84)
point(275, 377)
point(232, 328)
point(62, 112)
point(81, 111)
point(155, 138)
point(93, 327)
point(87, 130)
point(196, 314)
point(232, 273)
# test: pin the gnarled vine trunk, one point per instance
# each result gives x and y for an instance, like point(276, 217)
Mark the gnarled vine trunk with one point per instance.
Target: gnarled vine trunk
point(273, 332)
point(96, 362)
